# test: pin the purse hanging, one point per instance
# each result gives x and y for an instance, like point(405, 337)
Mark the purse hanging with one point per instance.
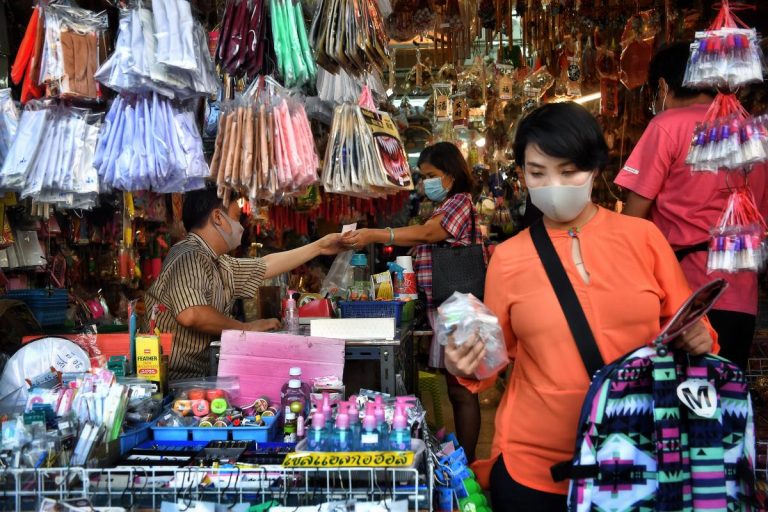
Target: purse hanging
point(458, 269)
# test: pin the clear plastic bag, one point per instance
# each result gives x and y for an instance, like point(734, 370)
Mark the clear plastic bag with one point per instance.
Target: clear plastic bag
point(463, 318)
point(9, 121)
point(337, 281)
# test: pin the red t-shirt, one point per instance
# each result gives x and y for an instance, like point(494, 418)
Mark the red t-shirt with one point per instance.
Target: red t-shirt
point(688, 204)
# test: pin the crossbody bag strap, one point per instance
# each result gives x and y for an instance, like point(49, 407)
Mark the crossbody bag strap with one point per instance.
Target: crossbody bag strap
point(569, 302)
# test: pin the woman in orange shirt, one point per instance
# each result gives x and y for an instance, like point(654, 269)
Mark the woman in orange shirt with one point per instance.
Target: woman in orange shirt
point(626, 278)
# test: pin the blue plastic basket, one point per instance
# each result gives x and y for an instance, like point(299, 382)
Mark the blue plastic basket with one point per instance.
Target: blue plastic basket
point(372, 309)
point(49, 306)
point(134, 437)
point(263, 434)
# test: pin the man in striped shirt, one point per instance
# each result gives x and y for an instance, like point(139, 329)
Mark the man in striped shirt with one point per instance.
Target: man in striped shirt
point(199, 282)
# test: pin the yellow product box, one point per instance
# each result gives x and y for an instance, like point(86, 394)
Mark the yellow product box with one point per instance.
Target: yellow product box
point(149, 360)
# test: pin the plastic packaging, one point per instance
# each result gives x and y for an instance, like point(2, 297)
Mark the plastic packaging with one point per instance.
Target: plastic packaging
point(738, 240)
point(317, 440)
point(338, 279)
point(295, 399)
point(462, 319)
point(9, 122)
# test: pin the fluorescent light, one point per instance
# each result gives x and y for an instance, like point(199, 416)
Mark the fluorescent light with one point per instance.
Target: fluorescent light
point(415, 102)
point(480, 142)
point(414, 155)
point(586, 99)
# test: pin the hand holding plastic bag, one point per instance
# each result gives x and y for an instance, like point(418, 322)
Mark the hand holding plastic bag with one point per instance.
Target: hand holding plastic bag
point(463, 318)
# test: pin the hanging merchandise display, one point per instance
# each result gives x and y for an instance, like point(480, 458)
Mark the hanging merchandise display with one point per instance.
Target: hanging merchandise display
point(51, 158)
point(341, 87)
point(294, 56)
point(264, 147)
point(350, 35)
point(74, 48)
point(9, 121)
point(365, 156)
point(727, 55)
point(142, 59)
point(738, 240)
point(729, 138)
point(26, 66)
point(637, 49)
point(243, 37)
point(149, 142)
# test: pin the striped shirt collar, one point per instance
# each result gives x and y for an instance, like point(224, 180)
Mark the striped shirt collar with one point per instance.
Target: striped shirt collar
point(202, 243)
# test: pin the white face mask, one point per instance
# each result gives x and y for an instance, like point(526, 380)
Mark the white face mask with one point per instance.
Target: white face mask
point(235, 236)
point(562, 203)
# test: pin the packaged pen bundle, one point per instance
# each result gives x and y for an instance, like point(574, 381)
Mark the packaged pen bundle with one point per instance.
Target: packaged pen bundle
point(738, 241)
point(728, 138)
point(264, 147)
point(727, 55)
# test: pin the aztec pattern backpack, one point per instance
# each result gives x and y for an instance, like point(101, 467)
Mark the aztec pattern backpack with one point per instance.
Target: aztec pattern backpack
point(661, 430)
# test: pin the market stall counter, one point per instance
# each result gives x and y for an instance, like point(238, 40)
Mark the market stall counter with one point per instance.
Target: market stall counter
point(395, 357)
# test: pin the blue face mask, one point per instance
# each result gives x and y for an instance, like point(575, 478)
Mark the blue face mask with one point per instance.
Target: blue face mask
point(433, 188)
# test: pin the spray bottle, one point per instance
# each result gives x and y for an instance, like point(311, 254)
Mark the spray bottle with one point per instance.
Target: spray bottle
point(397, 271)
point(369, 437)
point(325, 408)
point(354, 424)
point(291, 314)
point(316, 439)
point(381, 422)
point(400, 437)
point(342, 439)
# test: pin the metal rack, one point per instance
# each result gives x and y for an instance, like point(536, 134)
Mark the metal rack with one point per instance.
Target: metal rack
point(149, 487)
point(24, 489)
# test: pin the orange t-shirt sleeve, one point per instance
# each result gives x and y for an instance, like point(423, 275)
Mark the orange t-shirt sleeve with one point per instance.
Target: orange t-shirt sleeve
point(497, 299)
point(670, 277)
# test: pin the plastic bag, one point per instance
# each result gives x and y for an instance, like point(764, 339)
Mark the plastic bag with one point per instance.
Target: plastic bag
point(464, 318)
point(337, 281)
point(9, 121)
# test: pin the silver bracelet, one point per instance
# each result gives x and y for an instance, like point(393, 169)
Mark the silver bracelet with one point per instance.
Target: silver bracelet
point(391, 237)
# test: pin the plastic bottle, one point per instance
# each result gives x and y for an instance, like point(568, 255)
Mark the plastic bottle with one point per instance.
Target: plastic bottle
point(342, 438)
point(294, 400)
point(316, 439)
point(289, 428)
point(361, 278)
point(291, 315)
point(295, 373)
point(354, 424)
point(369, 437)
point(325, 408)
point(381, 422)
point(400, 437)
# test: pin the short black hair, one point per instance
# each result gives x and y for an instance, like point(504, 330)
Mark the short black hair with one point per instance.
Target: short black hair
point(669, 63)
point(199, 204)
point(448, 158)
point(563, 130)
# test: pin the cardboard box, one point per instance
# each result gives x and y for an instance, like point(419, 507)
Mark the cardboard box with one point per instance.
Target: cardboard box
point(149, 360)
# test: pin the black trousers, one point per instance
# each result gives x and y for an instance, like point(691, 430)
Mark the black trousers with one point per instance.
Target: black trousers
point(510, 496)
point(735, 332)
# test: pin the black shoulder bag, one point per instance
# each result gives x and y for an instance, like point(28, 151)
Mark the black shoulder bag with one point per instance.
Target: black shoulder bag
point(458, 269)
point(569, 301)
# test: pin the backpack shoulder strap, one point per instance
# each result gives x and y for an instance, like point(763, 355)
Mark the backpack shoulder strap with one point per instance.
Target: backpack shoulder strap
point(569, 301)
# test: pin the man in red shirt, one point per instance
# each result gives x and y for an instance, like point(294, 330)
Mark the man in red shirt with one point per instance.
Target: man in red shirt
point(685, 204)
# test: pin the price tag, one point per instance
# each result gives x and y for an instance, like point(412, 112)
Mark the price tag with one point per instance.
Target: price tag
point(349, 460)
point(506, 84)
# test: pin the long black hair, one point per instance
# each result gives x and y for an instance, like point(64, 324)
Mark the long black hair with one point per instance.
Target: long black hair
point(447, 158)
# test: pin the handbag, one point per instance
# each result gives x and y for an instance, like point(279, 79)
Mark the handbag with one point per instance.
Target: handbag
point(458, 269)
point(569, 301)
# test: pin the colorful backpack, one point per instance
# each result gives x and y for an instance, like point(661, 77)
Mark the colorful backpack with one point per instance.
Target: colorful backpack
point(661, 430)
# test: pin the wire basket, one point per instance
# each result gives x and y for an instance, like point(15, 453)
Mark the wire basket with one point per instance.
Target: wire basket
point(372, 309)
